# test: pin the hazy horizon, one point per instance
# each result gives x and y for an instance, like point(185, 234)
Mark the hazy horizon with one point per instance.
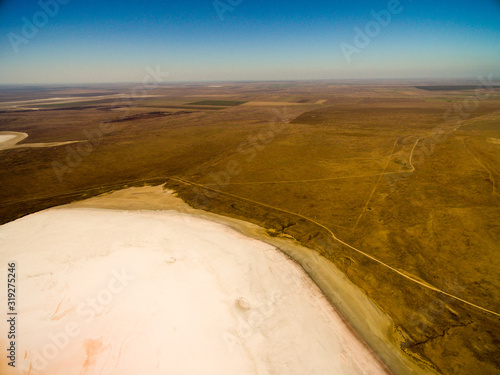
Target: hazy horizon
point(346, 81)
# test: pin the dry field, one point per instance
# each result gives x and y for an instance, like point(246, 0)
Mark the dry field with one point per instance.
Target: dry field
point(406, 180)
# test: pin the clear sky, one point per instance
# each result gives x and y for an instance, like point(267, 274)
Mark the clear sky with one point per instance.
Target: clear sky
point(88, 41)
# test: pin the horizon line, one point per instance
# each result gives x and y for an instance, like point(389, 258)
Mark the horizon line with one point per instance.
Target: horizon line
point(166, 83)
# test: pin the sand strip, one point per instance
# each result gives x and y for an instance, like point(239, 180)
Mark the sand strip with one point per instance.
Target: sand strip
point(11, 140)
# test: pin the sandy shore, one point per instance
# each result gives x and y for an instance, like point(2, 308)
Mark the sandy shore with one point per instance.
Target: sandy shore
point(6, 137)
point(11, 140)
point(371, 323)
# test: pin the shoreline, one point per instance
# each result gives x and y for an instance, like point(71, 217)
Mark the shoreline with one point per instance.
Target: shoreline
point(236, 303)
point(12, 143)
point(374, 327)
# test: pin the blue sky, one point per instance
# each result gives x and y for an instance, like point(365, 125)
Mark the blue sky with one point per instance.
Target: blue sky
point(88, 41)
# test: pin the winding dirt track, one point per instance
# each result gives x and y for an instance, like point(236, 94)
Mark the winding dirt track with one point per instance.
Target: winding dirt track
point(327, 178)
point(401, 273)
point(410, 159)
point(378, 181)
point(383, 173)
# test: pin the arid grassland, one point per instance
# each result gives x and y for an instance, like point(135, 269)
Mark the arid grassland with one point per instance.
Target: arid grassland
point(406, 174)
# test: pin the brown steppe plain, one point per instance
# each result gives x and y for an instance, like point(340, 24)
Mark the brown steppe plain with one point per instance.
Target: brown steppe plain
point(408, 176)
